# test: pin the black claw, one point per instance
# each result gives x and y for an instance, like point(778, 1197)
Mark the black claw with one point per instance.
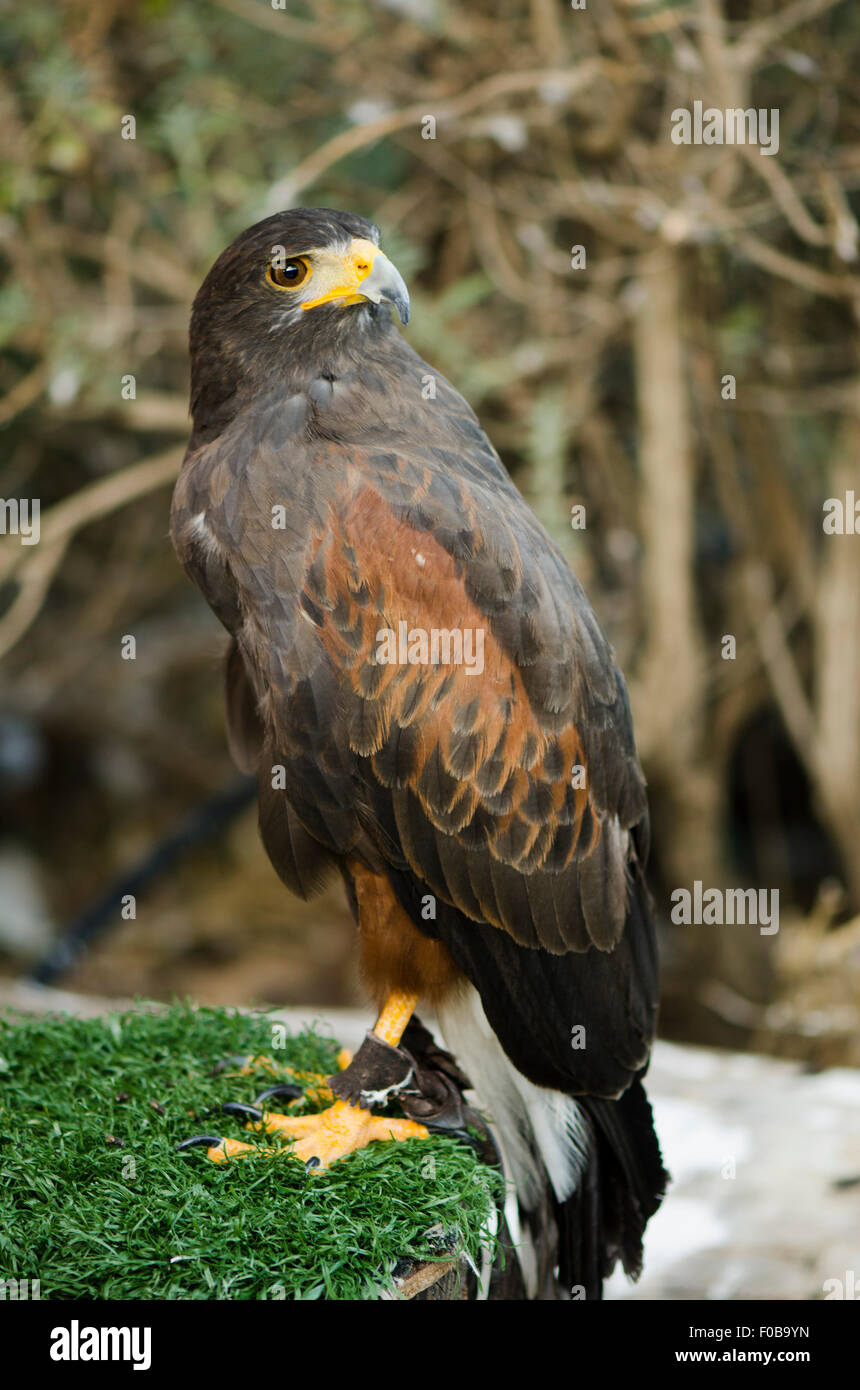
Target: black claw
point(481, 1141)
point(244, 1112)
point(453, 1132)
point(284, 1088)
point(227, 1063)
point(312, 1162)
point(198, 1140)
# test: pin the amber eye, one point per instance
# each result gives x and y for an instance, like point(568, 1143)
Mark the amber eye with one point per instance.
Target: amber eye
point(288, 275)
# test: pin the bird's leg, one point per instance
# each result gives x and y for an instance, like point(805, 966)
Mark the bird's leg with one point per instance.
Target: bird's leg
point(377, 1071)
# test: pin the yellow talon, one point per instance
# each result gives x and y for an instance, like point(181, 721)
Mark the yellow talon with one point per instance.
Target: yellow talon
point(340, 1130)
point(328, 1136)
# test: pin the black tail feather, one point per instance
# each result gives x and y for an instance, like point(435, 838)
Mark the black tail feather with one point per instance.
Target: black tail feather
point(604, 1221)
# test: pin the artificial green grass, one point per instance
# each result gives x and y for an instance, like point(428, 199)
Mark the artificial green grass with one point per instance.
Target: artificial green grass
point(96, 1203)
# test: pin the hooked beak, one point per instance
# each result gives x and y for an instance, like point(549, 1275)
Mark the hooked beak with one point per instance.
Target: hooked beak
point(366, 273)
point(386, 283)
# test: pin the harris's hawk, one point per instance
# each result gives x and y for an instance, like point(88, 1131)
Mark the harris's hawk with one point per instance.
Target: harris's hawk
point(419, 683)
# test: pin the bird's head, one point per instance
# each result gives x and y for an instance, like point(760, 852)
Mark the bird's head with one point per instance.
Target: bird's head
point(295, 287)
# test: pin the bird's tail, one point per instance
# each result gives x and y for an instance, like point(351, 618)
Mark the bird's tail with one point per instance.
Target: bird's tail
point(604, 1221)
point(586, 1173)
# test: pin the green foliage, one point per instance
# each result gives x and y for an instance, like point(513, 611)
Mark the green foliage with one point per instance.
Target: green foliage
point(80, 1098)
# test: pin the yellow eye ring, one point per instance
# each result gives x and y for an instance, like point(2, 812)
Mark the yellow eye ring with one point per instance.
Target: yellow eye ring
point(289, 275)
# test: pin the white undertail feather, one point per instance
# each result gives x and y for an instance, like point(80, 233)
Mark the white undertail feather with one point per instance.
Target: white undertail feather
point(524, 1117)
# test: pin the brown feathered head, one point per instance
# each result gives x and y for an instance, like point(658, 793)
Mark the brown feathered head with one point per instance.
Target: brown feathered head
point(294, 288)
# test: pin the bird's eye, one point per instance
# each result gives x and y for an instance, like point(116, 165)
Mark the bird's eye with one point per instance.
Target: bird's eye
point(288, 275)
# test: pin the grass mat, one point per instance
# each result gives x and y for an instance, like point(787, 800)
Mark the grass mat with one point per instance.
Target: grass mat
point(96, 1203)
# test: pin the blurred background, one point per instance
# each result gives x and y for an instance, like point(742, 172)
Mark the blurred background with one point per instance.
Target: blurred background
point(689, 376)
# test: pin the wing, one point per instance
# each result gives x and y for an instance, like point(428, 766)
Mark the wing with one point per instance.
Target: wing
point(509, 782)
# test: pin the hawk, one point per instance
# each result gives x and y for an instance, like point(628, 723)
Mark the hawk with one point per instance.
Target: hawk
point(432, 711)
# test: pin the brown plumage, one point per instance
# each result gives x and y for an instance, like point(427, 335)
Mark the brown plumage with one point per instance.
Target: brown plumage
point(329, 498)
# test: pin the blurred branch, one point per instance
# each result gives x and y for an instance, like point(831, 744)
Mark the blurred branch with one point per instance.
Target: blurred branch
point(23, 393)
point(445, 109)
point(787, 268)
point(153, 268)
point(35, 566)
point(837, 666)
point(760, 35)
point(157, 411)
point(787, 199)
point(778, 661)
point(33, 585)
point(288, 27)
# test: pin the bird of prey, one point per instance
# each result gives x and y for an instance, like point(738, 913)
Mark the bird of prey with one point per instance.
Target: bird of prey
point(418, 681)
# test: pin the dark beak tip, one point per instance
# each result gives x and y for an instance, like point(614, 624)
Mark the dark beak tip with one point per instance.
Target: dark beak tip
point(399, 303)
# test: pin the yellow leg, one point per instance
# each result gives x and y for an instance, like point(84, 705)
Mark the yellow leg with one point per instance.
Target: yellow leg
point(396, 1013)
point(342, 1128)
